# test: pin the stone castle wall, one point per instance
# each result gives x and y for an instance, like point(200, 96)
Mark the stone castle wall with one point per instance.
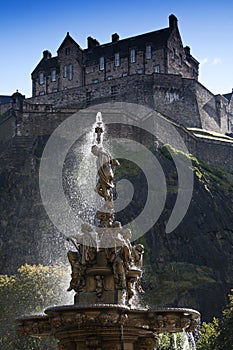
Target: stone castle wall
point(183, 100)
point(7, 130)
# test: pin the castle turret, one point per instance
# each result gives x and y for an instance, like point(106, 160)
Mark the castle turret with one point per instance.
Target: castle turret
point(173, 22)
point(46, 54)
point(115, 37)
point(91, 42)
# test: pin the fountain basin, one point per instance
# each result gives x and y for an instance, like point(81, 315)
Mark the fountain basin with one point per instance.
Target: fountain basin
point(106, 323)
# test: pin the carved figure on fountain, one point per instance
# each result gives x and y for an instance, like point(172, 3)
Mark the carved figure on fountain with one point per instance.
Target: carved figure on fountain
point(106, 216)
point(105, 166)
point(83, 257)
point(78, 271)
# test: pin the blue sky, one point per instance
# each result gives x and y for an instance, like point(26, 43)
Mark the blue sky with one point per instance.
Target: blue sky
point(28, 27)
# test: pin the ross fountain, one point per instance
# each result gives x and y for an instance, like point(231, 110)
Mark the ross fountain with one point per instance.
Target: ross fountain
point(106, 271)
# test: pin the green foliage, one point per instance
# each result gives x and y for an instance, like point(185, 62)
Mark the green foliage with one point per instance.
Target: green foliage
point(208, 335)
point(224, 340)
point(167, 150)
point(218, 335)
point(209, 175)
point(30, 291)
point(211, 135)
point(178, 341)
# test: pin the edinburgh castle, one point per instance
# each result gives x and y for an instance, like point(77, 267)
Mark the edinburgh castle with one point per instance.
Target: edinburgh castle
point(152, 69)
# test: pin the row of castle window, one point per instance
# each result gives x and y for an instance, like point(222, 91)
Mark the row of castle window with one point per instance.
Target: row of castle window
point(70, 72)
point(68, 69)
point(67, 73)
point(124, 74)
point(117, 61)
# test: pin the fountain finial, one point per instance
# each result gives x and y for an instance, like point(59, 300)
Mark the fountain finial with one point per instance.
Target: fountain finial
point(99, 127)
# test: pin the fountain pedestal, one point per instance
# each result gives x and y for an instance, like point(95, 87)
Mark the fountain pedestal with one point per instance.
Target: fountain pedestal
point(101, 286)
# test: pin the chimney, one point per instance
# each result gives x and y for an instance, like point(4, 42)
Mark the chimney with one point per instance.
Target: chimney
point(46, 55)
point(173, 22)
point(115, 37)
point(92, 42)
point(187, 51)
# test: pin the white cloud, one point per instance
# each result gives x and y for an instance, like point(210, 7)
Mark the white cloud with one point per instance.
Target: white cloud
point(204, 60)
point(216, 60)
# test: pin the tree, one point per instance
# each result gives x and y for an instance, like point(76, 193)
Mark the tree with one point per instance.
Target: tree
point(30, 291)
point(224, 340)
point(208, 334)
point(218, 334)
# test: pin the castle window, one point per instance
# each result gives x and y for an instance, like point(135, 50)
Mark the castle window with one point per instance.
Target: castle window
point(67, 51)
point(88, 95)
point(41, 93)
point(41, 78)
point(148, 52)
point(124, 74)
point(114, 90)
point(173, 53)
point(70, 72)
point(157, 68)
point(180, 60)
point(102, 63)
point(132, 56)
point(89, 70)
point(117, 59)
point(139, 71)
point(65, 71)
point(53, 75)
point(110, 77)
point(95, 81)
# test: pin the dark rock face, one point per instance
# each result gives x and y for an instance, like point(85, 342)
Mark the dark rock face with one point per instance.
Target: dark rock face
point(26, 233)
point(189, 267)
point(192, 265)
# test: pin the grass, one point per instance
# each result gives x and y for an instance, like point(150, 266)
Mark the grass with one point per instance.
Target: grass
point(205, 173)
point(212, 135)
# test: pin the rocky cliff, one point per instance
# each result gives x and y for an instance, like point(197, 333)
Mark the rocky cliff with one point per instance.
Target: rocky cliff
point(191, 266)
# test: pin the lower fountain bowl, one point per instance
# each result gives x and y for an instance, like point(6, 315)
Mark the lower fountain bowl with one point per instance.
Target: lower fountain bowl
point(74, 318)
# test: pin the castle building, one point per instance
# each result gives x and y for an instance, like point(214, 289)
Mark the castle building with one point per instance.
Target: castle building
point(160, 51)
point(152, 69)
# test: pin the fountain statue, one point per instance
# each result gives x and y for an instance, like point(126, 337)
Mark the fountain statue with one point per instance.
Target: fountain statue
point(106, 272)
